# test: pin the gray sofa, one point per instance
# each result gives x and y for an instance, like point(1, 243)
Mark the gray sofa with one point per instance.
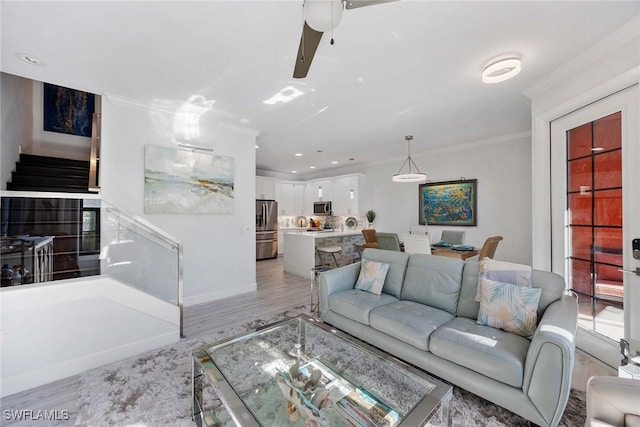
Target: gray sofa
point(426, 315)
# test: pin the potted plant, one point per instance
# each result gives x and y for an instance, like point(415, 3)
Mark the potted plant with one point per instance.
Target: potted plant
point(371, 215)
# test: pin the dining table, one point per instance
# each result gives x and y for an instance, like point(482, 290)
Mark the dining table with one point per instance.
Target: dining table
point(454, 253)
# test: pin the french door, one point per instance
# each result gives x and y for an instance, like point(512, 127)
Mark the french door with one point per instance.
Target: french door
point(595, 181)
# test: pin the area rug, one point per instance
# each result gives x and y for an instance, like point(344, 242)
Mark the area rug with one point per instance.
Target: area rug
point(154, 389)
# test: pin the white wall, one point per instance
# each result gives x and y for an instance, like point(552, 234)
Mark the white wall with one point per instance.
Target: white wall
point(52, 332)
point(606, 68)
point(16, 97)
point(502, 167)
point(219, 250)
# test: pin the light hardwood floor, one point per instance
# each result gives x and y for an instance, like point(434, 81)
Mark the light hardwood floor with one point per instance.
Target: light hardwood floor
point(277, 292)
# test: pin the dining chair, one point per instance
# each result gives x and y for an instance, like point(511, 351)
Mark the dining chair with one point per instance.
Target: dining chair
point(453, 237)
point(370, 238)
point(489, 247)
point(416, 244)
point(388, 241)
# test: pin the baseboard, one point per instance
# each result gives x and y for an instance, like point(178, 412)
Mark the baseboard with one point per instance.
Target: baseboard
point(212, 296)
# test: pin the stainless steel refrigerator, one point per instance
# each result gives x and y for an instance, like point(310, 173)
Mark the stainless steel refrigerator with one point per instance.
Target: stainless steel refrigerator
point(266, 229)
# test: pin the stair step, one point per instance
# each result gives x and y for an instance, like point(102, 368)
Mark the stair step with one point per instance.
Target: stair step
point(57, 161)
point(52, 189)
point(17, 178)
point(52, 170)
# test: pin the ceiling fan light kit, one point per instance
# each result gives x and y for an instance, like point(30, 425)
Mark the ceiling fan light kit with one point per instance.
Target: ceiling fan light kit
point(501, 69)
point(410, 175)
point(323, 15)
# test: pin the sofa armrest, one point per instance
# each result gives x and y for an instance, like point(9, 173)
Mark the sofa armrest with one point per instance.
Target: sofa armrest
point(549, 363)
point(336, 280)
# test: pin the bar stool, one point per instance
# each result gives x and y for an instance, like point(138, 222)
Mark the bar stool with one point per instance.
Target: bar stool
point(333, 250)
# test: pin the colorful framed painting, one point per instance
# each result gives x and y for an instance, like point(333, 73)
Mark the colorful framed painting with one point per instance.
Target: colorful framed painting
point(187, 182)
point(67, 110)
point(448, 203)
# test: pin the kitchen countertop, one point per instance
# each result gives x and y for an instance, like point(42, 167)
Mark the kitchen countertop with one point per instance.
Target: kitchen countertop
point(330, 233)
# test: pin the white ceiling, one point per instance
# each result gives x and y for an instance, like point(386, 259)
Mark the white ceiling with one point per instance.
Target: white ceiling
point(407, 67)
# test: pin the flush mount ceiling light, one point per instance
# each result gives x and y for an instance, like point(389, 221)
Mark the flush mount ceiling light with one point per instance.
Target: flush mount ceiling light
point(411, 175)
point(501, 69)
point(29, 59)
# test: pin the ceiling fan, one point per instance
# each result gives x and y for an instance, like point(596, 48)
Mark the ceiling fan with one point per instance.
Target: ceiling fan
point(321, 16)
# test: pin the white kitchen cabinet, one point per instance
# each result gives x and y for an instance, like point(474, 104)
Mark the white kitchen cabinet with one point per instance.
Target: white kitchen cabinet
point(290, 198)
point(284, 197)
point(265, 188)
point(298, 199)
point(342, 188)
point(280, 241)
point(312, 191)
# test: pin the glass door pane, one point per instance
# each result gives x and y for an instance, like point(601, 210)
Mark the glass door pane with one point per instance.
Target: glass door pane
point(594, 229)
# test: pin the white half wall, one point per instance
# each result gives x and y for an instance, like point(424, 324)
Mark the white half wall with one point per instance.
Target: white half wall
point(219, 250)
point(16, 122)
point(502, 167)
point(49, 332)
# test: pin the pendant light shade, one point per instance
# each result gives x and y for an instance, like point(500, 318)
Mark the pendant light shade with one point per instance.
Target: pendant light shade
point(411, 173)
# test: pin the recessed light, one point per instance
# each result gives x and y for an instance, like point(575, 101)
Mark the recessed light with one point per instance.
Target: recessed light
point(294, 171)
point(257, 146)
point(29, 59)
point(501, 69)
point(298, 154)
point(335, 162)
point(312, 167)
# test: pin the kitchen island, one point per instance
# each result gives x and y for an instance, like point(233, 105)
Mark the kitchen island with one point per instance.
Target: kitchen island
point(300, 248)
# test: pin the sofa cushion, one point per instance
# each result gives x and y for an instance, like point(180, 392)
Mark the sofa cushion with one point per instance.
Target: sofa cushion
point(467, 305)
point(552, 285)
point(408, 321)
point(434, 281)
point(509, 307)
point(356, 304)
point(397, 266)
point(372, 275)
point(491, 352)
point(503, 272)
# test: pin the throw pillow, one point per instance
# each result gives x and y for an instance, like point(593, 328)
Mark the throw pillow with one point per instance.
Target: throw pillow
point(372, 275)
point(509, 307)
point(502, 271)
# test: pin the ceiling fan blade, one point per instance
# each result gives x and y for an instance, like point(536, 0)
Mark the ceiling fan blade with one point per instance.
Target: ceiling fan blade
point(308, 45)
point(354, 4)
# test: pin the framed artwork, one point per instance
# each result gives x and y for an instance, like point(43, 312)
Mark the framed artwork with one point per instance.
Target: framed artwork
point(185, 181)
point(67, 110)
point(448, 203)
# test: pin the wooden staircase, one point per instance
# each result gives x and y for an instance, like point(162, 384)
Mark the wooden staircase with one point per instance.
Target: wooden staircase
point(53, 174)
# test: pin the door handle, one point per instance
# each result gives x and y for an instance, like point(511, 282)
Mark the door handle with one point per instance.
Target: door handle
point(636, 271)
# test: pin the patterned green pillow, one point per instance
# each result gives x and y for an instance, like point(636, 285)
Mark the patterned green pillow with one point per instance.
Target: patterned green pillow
point(505, 272)
point(509, 307)
point(372, 275)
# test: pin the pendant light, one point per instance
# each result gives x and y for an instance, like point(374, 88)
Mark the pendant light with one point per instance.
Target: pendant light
point(411, 175)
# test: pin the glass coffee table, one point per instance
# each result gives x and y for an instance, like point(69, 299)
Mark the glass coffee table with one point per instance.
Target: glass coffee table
point(302, 372)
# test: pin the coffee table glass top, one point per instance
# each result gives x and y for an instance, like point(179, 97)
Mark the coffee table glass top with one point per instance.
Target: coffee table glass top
point(248, 373)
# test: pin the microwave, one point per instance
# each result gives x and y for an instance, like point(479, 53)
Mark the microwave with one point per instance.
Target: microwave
point(322, 208)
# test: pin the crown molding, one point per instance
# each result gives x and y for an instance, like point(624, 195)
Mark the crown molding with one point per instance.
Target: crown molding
point(608, 44)
point(512, 137)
